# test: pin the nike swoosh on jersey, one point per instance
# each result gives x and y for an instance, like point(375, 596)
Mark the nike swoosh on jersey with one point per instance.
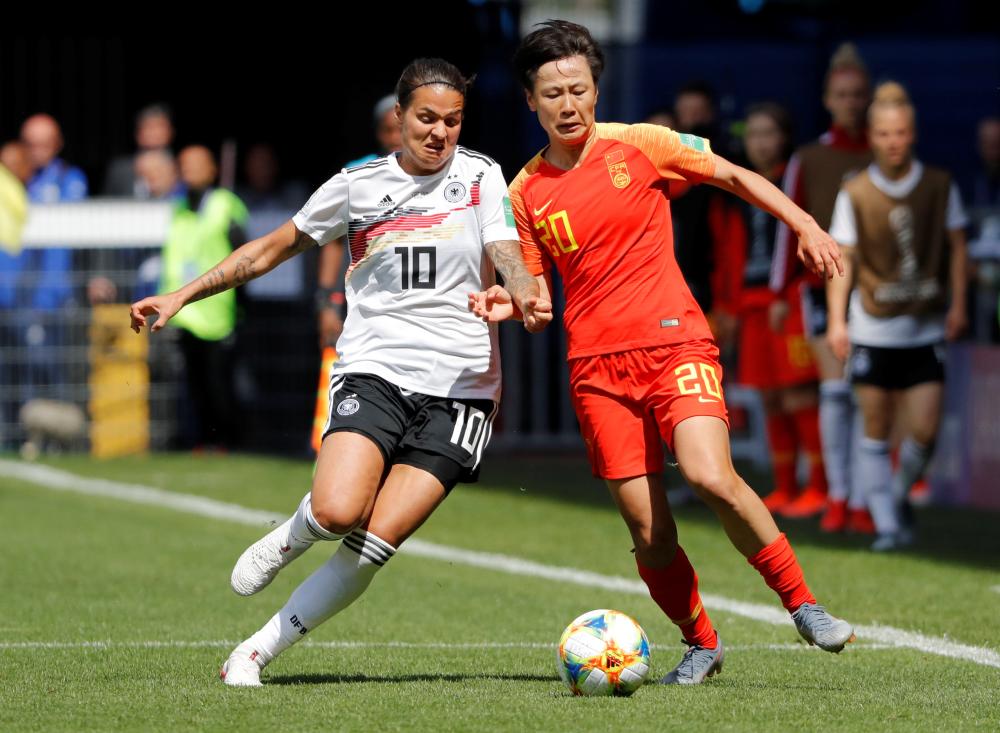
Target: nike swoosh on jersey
point(539, 212)
point(702, 399)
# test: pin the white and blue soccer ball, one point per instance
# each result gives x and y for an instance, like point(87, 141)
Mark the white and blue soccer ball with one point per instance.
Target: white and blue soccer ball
point(603, 652)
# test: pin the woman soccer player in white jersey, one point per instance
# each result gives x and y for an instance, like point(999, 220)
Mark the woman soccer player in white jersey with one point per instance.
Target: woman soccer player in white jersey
point(414, 393)
point(901, 224)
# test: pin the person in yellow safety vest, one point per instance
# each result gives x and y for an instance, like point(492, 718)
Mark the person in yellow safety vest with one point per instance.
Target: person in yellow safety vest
point(207, 224)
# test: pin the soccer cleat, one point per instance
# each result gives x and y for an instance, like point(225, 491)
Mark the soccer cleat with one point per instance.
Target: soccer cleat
point(835, 517)
point(697, 664)
point(778, 499)
point(860, 521)
point(892, 541)
point(920, 493)
point(241, 669)
point(810, 502)
point(817, 626)
point(260, 563)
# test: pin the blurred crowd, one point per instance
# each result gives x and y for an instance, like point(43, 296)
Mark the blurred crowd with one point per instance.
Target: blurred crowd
point(739, 264)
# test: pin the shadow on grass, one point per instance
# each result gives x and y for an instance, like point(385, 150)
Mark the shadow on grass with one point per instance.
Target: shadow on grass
point(956, 535)
point(354, 679)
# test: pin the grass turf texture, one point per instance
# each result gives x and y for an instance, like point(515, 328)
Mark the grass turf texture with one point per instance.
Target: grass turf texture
point(82, 569)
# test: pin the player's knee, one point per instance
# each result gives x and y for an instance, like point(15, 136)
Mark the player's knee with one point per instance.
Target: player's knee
point(337, 518)
point(717, 486)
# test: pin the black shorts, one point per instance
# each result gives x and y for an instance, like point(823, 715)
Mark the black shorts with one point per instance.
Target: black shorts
point(814, 310)
point(896, 368)
point(444, 436)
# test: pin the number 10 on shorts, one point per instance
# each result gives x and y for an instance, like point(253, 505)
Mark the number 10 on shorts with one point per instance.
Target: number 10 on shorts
point(698, 378)
point(469, 424)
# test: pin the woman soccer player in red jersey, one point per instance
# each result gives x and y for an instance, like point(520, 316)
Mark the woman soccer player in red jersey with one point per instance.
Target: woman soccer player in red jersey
point(643, 365)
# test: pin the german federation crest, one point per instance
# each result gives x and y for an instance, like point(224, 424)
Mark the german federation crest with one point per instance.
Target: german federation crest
point(348, 406)
point(454, 192)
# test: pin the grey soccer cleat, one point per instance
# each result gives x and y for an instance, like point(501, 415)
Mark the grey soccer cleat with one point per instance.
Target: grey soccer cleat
point(697, 664)
point(817, 626)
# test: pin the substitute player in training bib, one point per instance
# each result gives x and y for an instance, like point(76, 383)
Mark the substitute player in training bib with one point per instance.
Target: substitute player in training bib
point(643, 366)
point(413, 396)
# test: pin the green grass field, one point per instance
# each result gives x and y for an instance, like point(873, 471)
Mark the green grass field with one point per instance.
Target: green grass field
point(117, 615)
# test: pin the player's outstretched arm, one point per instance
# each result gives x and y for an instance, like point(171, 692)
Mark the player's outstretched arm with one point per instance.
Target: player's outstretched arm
point(243, 264)
point(523, 288)
point(817, 250)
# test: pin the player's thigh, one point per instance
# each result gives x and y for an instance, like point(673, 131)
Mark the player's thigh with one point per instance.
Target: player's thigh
point(349, 470)
point(407, 498)
point(922, 407)
point(877, 410)
point(621, 437)
point(701, 446)
point(828, 365)
point(642, 502)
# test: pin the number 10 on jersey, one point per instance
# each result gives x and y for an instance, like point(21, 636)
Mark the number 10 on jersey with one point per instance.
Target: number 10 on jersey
point(423, 275)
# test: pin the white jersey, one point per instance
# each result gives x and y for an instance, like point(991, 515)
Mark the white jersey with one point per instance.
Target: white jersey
point(417, 247)
point(903, 331)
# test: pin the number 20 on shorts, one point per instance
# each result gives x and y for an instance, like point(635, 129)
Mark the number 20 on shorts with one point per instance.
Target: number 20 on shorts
point(698, 378)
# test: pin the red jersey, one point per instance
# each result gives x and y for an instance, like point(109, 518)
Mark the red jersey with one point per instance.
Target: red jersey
point(606, 226)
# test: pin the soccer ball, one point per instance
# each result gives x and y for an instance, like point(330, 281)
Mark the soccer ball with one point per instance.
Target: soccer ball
point(603, 653)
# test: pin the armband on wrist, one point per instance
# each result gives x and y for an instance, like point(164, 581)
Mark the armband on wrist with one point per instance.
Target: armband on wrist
point(329, 298)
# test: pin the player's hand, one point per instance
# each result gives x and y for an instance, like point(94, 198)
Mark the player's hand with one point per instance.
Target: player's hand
point(820, 253)
point(955, 322)
point(330, 327)
point(162, 306)
point(493, 305)
point(537, 313)
point(836, 336)
point(777, 312)
point(725, 327)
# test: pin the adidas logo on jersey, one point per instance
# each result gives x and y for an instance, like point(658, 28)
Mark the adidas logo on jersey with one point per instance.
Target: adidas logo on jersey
point(386, 202)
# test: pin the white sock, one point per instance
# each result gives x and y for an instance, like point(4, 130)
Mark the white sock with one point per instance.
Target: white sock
point(858, 499)
point(836, 421)
point(329, 590)
point(874, 476)
point(913, 461)
point(305, 528)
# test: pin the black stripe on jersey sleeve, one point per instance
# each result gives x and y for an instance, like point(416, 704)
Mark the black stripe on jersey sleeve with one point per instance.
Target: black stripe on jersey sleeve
point(478, 156)
point(371, 164)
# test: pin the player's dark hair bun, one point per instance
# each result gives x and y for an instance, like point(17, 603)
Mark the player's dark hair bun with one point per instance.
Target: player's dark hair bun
point(422, 72)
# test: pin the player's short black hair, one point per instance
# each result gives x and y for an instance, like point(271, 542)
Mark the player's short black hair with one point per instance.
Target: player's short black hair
point(424, 71)
point(554, 40)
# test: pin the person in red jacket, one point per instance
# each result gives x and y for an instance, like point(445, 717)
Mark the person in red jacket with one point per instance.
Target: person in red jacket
point(812, 180)
point(774, 358)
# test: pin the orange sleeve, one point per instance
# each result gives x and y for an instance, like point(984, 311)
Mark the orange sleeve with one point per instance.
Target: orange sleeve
point(534, 260)
point(675, 155)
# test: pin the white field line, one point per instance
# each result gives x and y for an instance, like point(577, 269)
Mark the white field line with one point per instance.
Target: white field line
point(64, 481)
point(228, 644)
point(995, 588)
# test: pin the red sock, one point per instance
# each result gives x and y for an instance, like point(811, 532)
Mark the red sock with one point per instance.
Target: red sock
point(781, 437)
point(782, 573)
point(675, 590)
point(807, 431)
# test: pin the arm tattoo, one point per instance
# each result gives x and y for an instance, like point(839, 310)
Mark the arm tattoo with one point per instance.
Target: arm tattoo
point(244, 270)
point(301, 243)
point(506, 257)
point(212, 283)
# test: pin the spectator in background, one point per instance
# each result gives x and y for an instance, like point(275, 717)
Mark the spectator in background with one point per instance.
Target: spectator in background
point(46, 288)
point(901, 225)
point(986, 186)
point(157, 171)
point(773, 358)
point(330, 302)
point(154, 130)
point(15, 171)
point(264, 188)
point(812, 179)
point(704, 218)
point(207, 223)
point(662, 117)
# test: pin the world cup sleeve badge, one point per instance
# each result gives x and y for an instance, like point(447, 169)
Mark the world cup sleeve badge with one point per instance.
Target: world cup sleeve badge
point(618, 168)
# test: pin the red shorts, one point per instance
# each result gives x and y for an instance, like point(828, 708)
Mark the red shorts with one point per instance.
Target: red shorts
point(628, 401)
point(770, 359)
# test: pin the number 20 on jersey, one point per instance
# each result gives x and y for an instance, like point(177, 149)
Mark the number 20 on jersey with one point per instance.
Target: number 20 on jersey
point(556, 234)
